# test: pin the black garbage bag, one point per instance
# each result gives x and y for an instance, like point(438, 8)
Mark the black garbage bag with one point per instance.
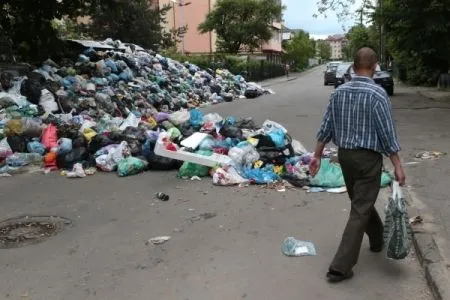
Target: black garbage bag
point(6, 80)
point(66, 161)
point(295, 181)
point(17, 143)
point(216, 89)
point(99, 141)
point(69, 131)
point(79, 142)
point(246, 123)
point(252, 93)
point(31, 90)
point(264, 141)
point(187, 130)
point(231, 131)
point(228, 97)
point(159, 163)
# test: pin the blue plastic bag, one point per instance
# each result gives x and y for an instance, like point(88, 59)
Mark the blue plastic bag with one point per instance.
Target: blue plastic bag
point(196, 118)
point(329, 175)
point(260, 176)
point(36, 147)
point(277, 136)
point(64, 146)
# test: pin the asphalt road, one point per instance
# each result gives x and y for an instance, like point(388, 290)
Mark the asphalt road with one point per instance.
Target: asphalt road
point(225, 241)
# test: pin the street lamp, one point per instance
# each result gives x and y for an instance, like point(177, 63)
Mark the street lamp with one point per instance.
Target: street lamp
point(182, 5)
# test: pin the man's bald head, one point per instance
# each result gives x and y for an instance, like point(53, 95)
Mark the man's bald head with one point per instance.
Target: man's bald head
point(365, 59)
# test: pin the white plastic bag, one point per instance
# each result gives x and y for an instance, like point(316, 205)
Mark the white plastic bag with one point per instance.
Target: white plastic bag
point(130, 121)
point(179, 117)
point(5, 149)
point(47, 101)
point(397, 229)
point(214, 118)
point(227, 177)
point(77, 172)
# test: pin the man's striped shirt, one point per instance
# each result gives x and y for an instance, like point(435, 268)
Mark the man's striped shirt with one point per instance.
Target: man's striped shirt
point(359, 116)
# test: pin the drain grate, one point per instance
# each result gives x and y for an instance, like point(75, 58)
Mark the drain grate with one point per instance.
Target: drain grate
point(29, 230)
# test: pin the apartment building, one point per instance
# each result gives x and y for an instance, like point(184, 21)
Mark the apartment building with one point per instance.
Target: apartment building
point(337, 43)
point(192, 13)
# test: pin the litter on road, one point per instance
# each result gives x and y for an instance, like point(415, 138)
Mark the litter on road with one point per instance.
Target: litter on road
point(294, 247)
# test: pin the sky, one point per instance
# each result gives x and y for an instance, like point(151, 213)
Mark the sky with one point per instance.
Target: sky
point(299, 15)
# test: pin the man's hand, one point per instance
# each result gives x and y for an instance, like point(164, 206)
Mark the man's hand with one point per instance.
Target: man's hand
point(400, 175)
point(314, 166)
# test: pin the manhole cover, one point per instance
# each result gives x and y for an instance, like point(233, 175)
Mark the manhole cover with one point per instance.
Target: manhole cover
point(29, 230)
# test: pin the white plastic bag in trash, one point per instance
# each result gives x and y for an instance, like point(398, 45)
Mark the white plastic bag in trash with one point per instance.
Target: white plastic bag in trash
point(77, 172)
point(130, 121)
point(298, 147)
point(47, 101)
point(179, 117)
point(227, 177)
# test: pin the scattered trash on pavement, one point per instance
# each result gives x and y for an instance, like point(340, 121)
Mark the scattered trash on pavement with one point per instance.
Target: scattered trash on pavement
point(294, 247)
point(415, 220)
point(162, 196)
point(430, 155)
point(158, 240)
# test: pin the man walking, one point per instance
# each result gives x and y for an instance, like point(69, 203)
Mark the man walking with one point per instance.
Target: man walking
point(359, 121)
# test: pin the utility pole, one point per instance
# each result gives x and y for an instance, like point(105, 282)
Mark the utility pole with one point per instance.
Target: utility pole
point(182, 25)
point(382, 40)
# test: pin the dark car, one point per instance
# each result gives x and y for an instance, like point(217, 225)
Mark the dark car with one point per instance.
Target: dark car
point(382, 78)
point(340, 73)
point(330, 74)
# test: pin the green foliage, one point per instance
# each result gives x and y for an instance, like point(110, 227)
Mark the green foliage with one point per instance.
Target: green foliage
point(130, 21)
point(361, 36)
point(241, 24)
point(300, 49)
point(28, 24)
point(418, 43)
point(69, 29)
point(416, 34)
point(324, 50)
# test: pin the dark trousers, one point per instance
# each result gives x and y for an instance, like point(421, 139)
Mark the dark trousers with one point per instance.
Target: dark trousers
point(362, 175)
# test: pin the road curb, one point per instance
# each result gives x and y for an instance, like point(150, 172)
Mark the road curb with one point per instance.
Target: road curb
point(430, 256)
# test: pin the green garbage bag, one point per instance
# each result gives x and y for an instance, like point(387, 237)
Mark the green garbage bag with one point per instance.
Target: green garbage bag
point(386, 179)
point(131, 166)
point(189, 169)
point(330, 176)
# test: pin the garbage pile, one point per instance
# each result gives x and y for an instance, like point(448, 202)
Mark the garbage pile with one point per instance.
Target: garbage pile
point(136, 111)
point(231, 151)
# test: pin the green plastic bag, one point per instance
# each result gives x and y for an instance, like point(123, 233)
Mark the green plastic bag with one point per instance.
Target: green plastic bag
point(189, 169)
point(131, 166)
point(330, 176)
point(386, 179)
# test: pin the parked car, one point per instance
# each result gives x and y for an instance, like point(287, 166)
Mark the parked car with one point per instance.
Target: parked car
point(340, 73)
point(330, 74)
point(382, 78)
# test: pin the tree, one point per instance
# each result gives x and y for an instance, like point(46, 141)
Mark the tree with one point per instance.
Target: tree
point(241, 24)
point(418, 42)
point(324, 50)
point(300, 49)
point(28, 24)
point(131, 21)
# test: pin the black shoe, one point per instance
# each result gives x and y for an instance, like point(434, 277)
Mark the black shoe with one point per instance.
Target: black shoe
point(377, 249)
point(335, 277)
